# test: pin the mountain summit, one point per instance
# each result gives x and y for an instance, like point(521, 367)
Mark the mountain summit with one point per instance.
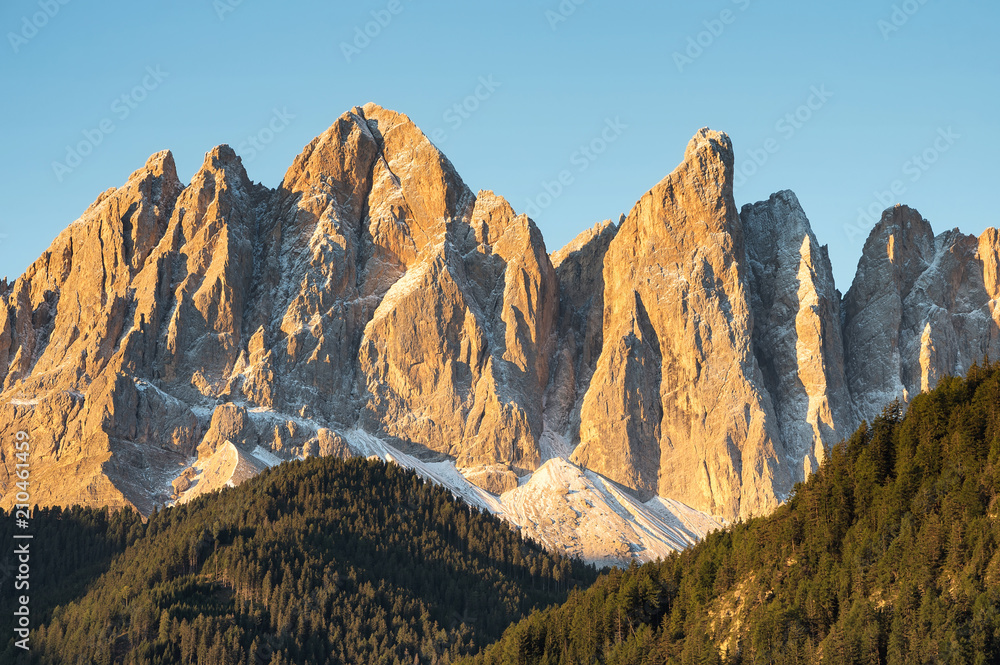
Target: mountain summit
point(688, 362)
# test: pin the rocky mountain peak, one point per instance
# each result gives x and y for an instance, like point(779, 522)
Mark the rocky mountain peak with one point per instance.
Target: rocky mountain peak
point(796, 333)
point(371, 304)
point(921, 307)
point(491, 217)
point(780, 213)
point(694, 201)
point(220, 158)
point(708, 145)
point(221, 178)
point(662, 415)
point(413, 177)
point(158, 165)
point(709, 158)
point(907, 241)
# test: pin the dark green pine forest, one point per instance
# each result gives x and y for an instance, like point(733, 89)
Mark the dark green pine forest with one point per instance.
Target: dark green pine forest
point(321, 561)
point(888, 554)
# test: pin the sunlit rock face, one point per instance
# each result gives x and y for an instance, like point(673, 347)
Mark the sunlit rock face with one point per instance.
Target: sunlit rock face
point(178, 338)
point(676, 405)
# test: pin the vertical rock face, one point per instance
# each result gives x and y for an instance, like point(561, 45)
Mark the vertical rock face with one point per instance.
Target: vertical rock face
point(580, 273)
point(60, 326)
point(796, 336)
point(676, 406)
point(206, 265)
point(314, 289)
point(455, 358)
point(178, 336)
point(921, 307)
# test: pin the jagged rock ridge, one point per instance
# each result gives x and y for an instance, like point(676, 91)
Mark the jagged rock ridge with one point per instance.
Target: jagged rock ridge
point(921, 307)
point(688, 351)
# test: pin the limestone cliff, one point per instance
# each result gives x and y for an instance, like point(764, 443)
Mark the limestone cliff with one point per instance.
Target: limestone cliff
point(921, 307)
point(676, 405)
point(177, 337)
point(796, 336)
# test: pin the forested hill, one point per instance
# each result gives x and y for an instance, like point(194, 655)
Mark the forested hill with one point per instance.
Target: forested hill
point(888, 554)
point(321, 561)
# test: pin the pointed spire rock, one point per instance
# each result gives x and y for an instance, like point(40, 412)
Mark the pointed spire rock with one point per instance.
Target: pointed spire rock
point(675, 405)
point(796, 333)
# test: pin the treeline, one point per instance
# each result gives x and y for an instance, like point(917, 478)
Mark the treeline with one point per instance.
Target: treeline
point(888, 554)
point(321, 561)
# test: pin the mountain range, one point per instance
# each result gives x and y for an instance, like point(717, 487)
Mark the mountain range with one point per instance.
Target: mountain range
point(621, 397)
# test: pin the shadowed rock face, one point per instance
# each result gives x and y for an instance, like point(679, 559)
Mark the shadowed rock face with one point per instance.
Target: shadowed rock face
point(921, 307)
point(689, 350)
point(796, 337)
point(580, 274)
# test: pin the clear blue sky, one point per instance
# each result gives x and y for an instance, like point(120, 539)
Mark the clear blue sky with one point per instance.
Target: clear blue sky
point(223, 73)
